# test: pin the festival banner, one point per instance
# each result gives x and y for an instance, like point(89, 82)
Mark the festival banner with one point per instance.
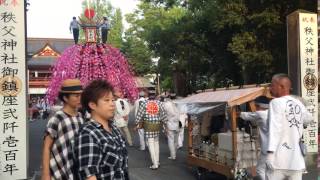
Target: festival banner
point(13, 115)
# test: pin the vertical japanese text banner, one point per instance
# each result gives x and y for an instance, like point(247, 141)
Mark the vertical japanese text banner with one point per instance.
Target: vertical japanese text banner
point(309, 74)
point(13, 132)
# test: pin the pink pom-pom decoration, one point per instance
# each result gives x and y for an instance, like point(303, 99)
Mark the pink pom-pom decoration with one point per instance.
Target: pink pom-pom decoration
point(89, 62)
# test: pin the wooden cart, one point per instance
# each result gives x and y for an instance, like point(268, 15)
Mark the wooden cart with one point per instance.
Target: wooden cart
point(232, 98)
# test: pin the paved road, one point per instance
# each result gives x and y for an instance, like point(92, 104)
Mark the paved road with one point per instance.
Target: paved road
point(139, 161)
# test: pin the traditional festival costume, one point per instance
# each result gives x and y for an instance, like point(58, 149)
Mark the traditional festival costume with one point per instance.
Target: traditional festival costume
point(287, 115)
point(122, 111)
point(260, 117)
point(151, 115)
point(172, 127)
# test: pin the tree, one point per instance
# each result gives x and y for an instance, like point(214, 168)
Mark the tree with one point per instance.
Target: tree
point(103, 8)
point(115, 34)
point(217, 42)
point(138, 54)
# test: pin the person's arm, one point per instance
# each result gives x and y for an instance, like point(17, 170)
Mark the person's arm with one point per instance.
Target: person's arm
point(70, 27)
point(275, 124)
point(47, 144)
point(249, 116)
point(306, 117)
point(135, 107)
point(87, 154)
point(140, 113)
point(163, 117)
point(92, 178)
point(50, 134)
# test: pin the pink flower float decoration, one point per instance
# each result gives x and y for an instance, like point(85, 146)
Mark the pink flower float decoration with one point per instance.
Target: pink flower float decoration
point(89, 62)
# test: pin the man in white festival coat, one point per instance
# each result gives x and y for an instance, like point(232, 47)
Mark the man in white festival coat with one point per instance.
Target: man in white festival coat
point(173, 128)
point(286, 118)
point(260, 118)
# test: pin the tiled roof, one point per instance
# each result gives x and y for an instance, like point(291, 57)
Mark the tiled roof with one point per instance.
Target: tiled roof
point(36, 44)
point(41, 62)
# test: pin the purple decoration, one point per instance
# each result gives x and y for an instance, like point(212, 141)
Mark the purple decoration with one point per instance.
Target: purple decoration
point(92, 61)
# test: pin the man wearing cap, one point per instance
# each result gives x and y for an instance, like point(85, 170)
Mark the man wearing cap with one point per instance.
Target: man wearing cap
point(137, 104)
point(152, 114)
point(260, 118)
point(57, 162)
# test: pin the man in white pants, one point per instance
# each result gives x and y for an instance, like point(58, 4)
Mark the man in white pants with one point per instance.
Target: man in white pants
point(121, 116)
point(137, 103)
point(260, 118)
point(152, 115)
point(286, 118)
point(172, 126)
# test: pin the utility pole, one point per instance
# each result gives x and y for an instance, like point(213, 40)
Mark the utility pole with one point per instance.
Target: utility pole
point(158, 79)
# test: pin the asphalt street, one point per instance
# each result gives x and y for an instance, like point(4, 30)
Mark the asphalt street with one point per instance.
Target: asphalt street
point(139, 161)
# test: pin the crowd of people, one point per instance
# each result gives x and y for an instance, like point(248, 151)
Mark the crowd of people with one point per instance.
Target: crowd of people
point(92, 144)
point(38, 108)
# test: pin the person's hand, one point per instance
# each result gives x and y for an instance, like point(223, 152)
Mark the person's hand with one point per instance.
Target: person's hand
point(269, 161)
point(135, 128)
point(45, 177)
point(166, 131)
point(126, 118)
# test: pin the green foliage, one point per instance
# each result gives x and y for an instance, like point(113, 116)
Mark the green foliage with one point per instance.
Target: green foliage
point(103, 8)
point(213, 43)
point(115, 34)
point(167, 83)
point(138, 55)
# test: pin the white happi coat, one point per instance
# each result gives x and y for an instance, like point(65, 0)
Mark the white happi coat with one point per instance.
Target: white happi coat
point(285, 119)
point(172, 115)
point(261, 118)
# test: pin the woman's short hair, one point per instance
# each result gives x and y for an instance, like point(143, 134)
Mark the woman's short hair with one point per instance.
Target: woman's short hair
point(94, 91)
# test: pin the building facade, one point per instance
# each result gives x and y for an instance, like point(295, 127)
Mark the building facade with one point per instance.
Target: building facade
point(42, 54)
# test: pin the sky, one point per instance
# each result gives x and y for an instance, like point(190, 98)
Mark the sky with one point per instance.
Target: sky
point(51, 18)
